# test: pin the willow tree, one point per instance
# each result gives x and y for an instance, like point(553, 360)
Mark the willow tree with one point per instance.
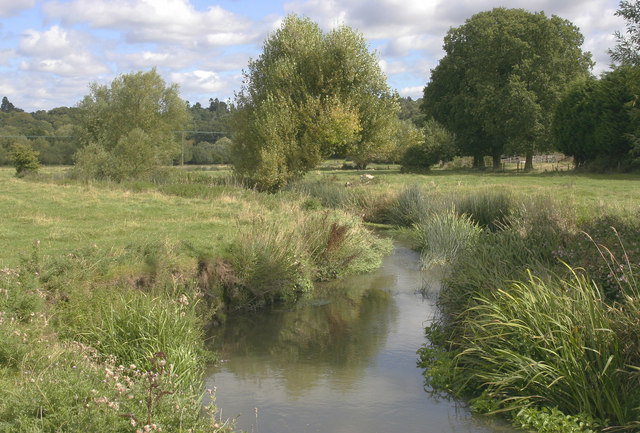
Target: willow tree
point(127, 129)
point(503, 73)
point(310, 95)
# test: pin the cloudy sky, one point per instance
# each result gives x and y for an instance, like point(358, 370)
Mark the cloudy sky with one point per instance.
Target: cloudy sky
point(51, 50)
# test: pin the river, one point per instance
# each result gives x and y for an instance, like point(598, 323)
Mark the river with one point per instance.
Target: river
point(344, 362)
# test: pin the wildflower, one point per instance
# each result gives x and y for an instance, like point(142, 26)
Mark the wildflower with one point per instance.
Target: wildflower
point(132, 422)
point(183, 300)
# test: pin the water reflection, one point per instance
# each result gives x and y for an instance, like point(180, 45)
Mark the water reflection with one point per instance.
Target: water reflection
point(342, 362)
point(332, 337)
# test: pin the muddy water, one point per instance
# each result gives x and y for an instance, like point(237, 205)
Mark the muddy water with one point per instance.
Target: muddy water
point(344, 362)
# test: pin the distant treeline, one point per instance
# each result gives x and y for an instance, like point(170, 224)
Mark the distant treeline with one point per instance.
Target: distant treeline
point(207, 139)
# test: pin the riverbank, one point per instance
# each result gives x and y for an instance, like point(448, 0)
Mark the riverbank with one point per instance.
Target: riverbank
point(135, 270)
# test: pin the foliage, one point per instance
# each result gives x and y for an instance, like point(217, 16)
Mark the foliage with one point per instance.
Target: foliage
point(212, 153)
point(410, 110)
point(308, 96)
point(627, 49)
point(25, 159)
point(438, 145)
point(593, 121)
point(552, 420)
point(502, 75)
point(133, 123)
point(7, 106)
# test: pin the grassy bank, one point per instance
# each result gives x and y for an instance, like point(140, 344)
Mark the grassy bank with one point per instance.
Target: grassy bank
point(106, 290)
point(99, 277)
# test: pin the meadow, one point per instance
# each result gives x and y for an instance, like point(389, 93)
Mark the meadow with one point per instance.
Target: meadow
point(106, 288)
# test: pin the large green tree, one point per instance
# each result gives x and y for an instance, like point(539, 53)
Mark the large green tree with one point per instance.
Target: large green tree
point(310, 95)
point(503, 73)
point(128, 129)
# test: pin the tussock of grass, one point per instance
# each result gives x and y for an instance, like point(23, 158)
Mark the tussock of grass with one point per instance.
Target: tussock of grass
point(490, 209)
point(553, 343)
point(444, 237)
point(278, 260)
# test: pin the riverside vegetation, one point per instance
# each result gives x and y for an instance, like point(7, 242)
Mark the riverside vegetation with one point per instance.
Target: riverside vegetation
point(104, 311)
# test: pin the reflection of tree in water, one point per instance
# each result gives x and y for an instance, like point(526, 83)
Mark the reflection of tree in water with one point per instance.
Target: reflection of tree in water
point(332, 338)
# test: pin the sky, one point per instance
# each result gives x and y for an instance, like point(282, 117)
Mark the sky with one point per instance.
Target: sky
point(51, 50)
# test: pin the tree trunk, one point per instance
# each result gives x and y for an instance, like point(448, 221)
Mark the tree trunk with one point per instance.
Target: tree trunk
point(528, 163)
point(478, 162)
point(360, 165)
point(497, 162)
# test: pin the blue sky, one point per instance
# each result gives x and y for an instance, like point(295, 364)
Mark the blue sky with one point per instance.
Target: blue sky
point(51, 50)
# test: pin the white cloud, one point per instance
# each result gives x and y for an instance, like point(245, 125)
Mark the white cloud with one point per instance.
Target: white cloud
point(154, 21)
point(6, 56)
point(54, 41)
point(38, 90)
point(415, 91)
point(10, 8)
point(392, 67)
point(60, 52)
point(198, 81)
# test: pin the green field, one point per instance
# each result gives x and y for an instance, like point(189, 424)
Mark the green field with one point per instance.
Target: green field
point(65, 216)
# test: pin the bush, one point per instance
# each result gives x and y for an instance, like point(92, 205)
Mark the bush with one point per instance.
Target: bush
point(438, 146)
point(24, 159)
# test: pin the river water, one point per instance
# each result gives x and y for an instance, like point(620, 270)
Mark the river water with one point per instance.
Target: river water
point(344, 362)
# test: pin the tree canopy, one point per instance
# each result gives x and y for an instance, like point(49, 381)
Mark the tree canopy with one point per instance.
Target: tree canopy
point(310, 95)
point(503, 73)
point(627, 49)
point(129, 128)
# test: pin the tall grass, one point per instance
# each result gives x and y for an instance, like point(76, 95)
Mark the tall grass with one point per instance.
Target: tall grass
point(410, 206)
point(553, 343)
point(554, 340)
point(278, 260)
point(444, 237)
point(489, 208)
point(270, 265)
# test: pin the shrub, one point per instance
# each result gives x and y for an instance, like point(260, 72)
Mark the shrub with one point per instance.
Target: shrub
point(438, 145)
point(25, 159)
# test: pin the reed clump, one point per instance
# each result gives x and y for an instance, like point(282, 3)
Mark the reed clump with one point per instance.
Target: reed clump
point(278, 260)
